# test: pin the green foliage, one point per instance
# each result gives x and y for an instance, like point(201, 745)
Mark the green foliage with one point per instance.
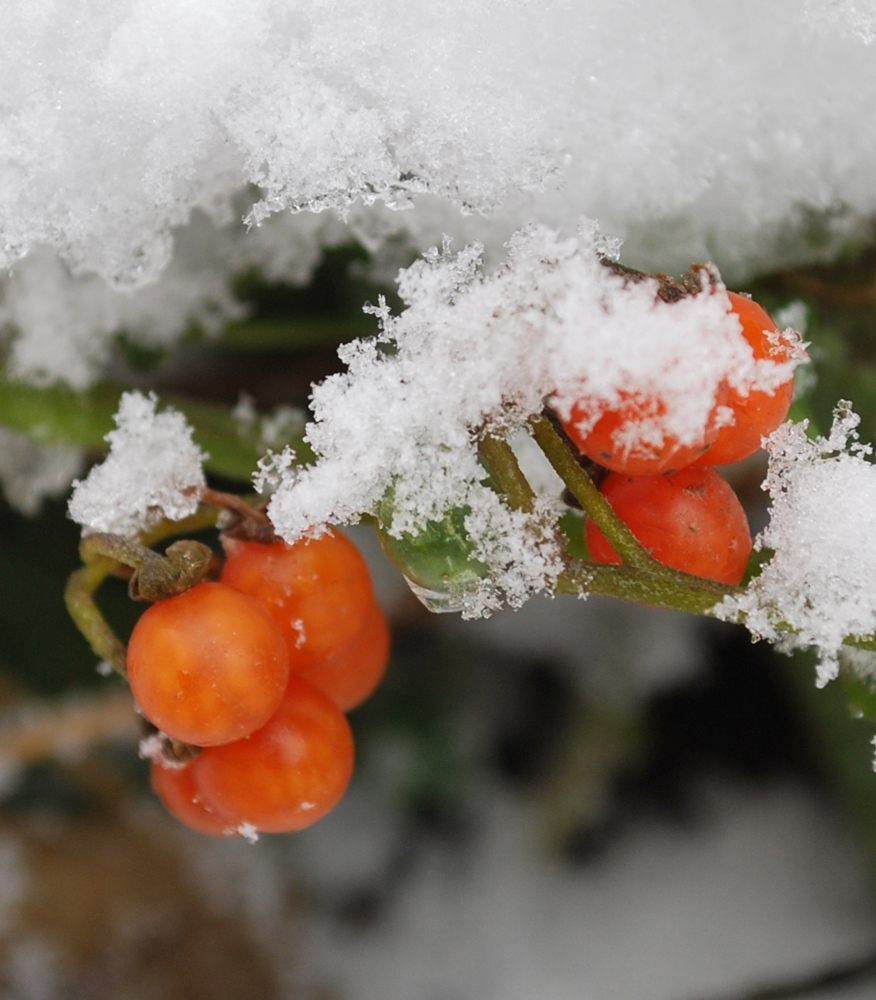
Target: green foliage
point(57, 415)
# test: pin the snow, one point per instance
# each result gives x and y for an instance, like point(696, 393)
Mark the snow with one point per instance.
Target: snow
point(458, 362)
point(817, 589)
point(131, 129)
point(150, 151)
point(847, 18)
point(153, 470)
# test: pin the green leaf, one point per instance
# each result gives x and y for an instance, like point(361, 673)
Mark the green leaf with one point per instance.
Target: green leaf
point(57, 415)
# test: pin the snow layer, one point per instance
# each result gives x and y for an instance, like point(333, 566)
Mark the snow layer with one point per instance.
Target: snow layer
point(29, 473)
point(741, 133)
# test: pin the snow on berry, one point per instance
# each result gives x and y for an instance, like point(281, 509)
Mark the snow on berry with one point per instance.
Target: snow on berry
point(819, 581)
point(153, 470)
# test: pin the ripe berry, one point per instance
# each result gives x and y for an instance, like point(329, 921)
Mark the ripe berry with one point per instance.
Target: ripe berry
point(629, 439)
point(351, 676)
point(175, 786)
point(318, 591)
point(690, 520)
point(287, 775)
point(760, 412)
point(208, 666)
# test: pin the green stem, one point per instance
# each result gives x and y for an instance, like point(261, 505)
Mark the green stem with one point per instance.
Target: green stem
point(675, 591)
point(498, 458)
point(79, 598)
point(861, 642)
point(83, 584)
point(116, 547)
point(594, 503)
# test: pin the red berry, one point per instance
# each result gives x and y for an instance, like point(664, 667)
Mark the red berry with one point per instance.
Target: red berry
point(690, 520)
point(208, 666)
point(318, 590)
point(287, 775)
point(619, 441)
point(175, 787)
point(351, 676)
point(759, 413)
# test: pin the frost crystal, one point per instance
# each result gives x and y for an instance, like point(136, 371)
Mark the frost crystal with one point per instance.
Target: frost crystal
point(822, 530)
point(475, 354)
point(153, 470)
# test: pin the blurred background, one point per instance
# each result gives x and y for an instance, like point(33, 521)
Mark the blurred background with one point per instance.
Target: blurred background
point(580, 799)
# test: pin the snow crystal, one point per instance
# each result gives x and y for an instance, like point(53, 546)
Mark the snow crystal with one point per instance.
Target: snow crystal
point(248, 832)
point(153, 470)
point(475, 353)
point(817, 589)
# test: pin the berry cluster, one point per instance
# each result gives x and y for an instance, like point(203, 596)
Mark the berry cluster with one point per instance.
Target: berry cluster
point(257, 670)
point(668, 495)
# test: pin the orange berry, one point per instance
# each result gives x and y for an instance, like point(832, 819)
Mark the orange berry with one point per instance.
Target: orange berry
point(760, 412)
point(618, 440)
point(351, 676)
point(318, 591)
point(287, 775)
point(175, 787)
point(690, 520)
point(208, 666)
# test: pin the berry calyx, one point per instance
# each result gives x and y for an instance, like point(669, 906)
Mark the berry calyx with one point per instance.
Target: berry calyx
point(760, 412)
point(209, 666)
point(690, 520)
point(287, 775)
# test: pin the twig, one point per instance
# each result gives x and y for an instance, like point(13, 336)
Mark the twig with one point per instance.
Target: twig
point(498, 458)
point(588, 496)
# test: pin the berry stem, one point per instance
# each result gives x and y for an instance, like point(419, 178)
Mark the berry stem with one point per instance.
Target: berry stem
point(84, 582)
point(674, 590)
point(591, 500)
point(155, 577)
point(498, 458)
point(79, 598)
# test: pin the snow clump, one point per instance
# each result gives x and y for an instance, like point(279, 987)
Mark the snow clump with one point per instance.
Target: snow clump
point(153, 470)
point(819, 582)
